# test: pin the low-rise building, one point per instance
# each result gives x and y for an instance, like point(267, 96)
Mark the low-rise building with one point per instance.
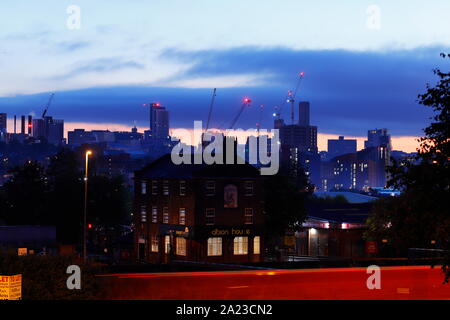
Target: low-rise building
point(198, 212)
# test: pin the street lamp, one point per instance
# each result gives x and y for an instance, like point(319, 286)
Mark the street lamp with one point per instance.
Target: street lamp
point(88, 153)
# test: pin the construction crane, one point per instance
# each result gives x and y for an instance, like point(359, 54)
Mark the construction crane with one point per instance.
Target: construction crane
point(290, 98)
point(246, 103)
point(47, 105)
point(258, 124)
point(210, 109)
point(292, 95)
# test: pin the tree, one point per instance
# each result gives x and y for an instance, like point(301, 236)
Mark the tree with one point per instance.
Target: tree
point(55, 196)
point(419, 217)
point(66, 195)
point(284, 206)
point(25, 196)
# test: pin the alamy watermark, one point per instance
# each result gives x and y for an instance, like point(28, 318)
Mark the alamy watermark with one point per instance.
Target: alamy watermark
point(262, 148)
point(74, 280)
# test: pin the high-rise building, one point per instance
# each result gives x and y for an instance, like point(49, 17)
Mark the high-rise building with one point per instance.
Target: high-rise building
point(303, 113)
point(55, 132)
point(338, 147)
point(299, 147)
point(29, 125)
point(159, 121)
point(50, 129)
point(3, 126)
point(377, 138)
point(22, 124)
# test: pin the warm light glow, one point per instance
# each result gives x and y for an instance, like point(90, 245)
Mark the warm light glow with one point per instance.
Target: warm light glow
point(88, 153)
point(312, 231)
point(344, 226)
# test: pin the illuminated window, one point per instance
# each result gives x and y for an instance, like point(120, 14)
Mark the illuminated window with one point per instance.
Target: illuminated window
point(210, 188)
point(182, 216)
point(181, 246)
point(165, 215)
point(166, 244)
point(182, 187)
point(248, 216)
point(154, 214)
point(248, 188)
point(215, 246)
point(240, 245)
point(210, 216)
point(165, 187)
point(154, 187)
point(143, 187)
point(155, 244)
point(144, 213)
point(257, 245)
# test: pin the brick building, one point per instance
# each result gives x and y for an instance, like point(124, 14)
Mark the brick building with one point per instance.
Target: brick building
point(198, 212)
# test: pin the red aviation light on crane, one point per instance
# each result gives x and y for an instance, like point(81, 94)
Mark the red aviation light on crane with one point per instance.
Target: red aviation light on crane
point(302, 74)
point(156, 104)
point(247, 100)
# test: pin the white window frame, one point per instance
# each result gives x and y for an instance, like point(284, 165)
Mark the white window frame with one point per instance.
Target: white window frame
point(214, 247)
point(154, 187)
point(154, 214)
point(181, 246)
point(166, 187)
point(257, 245)
point(166, 244)
point(182, 213)
point(143, 187)
point(210, 191)
point(240, 246)
point(143, 213)
point(166, 215)
point(154, 243)
point(248, 215)
point(249, 188)
point(210, 214)
point(183, 187)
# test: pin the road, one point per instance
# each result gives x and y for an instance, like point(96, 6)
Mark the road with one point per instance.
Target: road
point(411, 282)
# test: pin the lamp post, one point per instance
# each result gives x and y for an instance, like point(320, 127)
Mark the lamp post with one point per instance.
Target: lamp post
point(88, 153)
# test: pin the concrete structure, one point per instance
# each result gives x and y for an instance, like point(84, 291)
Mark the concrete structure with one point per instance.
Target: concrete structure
point(340, 146)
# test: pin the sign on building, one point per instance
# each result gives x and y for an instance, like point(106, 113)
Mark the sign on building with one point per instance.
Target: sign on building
point(230, 196)
point(371, 247)
point(11, 287)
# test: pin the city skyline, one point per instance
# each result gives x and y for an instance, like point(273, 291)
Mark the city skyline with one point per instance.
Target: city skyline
point(105, 70)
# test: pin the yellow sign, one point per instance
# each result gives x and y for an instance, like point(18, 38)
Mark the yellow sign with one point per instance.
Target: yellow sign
point(231, 231)
point(11, 287)
point(289, 241)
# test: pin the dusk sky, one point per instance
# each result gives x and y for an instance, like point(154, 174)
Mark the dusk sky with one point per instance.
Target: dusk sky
point(359, 74)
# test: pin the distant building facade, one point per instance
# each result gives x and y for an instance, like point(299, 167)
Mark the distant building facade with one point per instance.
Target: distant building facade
point(299, 152)
point(48, 128)
point(340, 146)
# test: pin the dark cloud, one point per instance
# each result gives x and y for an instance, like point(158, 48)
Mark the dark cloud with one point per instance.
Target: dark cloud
point(350, 92)
point(70, 46)
point(100, 65)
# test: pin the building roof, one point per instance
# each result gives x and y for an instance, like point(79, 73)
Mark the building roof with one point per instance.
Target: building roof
point(351, 197)
point(164, 168)
point(340, 213)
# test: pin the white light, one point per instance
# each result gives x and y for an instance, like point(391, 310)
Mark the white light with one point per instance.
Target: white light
point(344, 226)
point(312, 231)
